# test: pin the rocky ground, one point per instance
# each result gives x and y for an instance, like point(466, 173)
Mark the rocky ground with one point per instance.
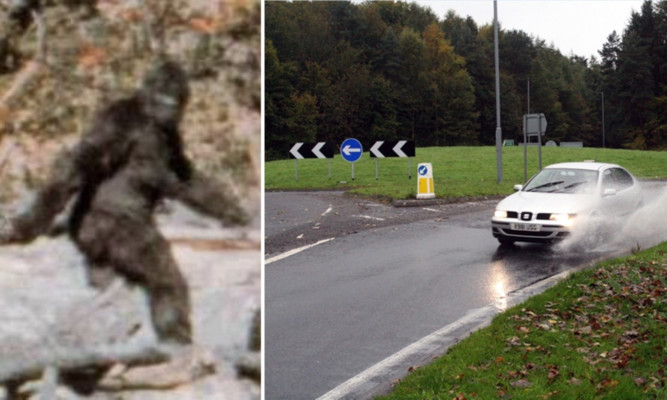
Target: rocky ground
point(50, 313)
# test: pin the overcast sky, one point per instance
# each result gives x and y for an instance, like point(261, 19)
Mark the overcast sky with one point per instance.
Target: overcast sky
point(577, 27)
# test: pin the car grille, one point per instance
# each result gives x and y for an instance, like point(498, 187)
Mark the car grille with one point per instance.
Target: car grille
point(525, 233)
point(540, 216)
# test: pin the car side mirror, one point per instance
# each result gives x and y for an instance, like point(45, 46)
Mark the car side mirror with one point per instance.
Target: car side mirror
point(609, 192)
point(518, 188)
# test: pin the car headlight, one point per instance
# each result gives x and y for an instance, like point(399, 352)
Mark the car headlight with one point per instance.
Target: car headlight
point(500, 214)
point(565, 219)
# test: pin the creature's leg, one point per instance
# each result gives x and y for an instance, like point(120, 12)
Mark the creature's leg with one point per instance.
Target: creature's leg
point(100, 276)
point(148, 261)
point(139, 252)
point(168, 293)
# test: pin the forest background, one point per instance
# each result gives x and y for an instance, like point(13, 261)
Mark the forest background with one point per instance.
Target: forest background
point(394, 70)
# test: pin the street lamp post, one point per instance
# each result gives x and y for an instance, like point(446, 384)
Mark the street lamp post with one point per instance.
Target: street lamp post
point(603, 134)
point(528, 96)
point(499, 131)
point(525, 138)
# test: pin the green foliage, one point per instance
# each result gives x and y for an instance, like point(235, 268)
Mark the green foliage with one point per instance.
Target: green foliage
point(386, 70)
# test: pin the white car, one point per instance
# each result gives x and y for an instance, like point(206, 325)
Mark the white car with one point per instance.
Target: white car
point(561, 197)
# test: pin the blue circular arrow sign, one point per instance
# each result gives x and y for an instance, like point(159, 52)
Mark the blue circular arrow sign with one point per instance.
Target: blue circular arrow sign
point(423, 170)
point(351, 150)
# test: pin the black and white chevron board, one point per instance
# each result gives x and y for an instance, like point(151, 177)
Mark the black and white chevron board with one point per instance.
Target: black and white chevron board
point(398, 148)
point(303, 150)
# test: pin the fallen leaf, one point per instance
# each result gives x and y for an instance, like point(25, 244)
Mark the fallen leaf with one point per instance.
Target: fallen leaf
point(631, 334)
point(553, 373)
point(606, 383)
point(521, 383)
point(513, 341)
point(586, 330)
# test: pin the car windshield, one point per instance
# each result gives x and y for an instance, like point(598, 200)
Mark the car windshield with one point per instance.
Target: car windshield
point(560, 180)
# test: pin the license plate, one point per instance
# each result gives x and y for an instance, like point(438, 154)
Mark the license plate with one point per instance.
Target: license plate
point(526, 227)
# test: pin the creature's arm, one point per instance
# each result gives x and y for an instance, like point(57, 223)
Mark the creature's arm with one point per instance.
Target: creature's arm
point(214, 197)
point(93, 158)
point(63, 181)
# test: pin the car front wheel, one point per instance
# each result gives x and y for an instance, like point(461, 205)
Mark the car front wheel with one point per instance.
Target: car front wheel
point(506, 242)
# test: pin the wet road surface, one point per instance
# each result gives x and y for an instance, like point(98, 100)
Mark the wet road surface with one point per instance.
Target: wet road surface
point(342, 306)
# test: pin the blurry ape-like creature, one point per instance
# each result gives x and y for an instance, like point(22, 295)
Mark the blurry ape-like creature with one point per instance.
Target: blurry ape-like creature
point(124, 164)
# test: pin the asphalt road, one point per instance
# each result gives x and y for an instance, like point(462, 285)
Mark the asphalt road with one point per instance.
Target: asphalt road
point(386, 278)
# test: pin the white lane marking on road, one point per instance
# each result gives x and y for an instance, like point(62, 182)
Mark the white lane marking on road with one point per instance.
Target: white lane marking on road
point(430, 209)
point(327, 211)
point(369, 217)
point(295, 251)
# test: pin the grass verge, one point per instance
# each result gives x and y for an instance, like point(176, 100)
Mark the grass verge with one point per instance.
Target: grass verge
point(458, 171)
point(599, 334)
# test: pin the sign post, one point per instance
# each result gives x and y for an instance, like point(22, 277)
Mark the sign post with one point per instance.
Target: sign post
point(533, 125)
point(351, 151)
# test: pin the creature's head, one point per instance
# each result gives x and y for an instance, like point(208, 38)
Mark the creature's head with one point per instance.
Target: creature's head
point(165, 92)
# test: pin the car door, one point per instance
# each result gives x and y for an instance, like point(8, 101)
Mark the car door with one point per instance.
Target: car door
point(618, 192)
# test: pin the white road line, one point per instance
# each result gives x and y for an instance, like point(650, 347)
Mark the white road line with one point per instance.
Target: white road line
point(295, 251)
point(327, 211)
point(430, 209)
point(369, 217)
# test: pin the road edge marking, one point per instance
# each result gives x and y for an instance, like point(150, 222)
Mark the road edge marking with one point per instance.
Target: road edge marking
point(295, 251)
